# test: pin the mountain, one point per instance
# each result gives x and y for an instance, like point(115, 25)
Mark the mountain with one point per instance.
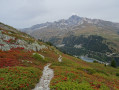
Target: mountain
point(100, 38)
point(71, 24)
point(27, 64)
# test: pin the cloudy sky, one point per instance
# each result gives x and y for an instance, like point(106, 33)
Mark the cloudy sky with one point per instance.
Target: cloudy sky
point(25, 13)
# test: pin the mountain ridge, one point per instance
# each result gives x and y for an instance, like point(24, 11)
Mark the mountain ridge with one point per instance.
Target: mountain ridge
point(63, 26)
point(73, 20)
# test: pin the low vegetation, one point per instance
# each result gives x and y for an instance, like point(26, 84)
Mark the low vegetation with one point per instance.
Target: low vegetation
point(75, 74)
point(17, 78)
point(21, 69)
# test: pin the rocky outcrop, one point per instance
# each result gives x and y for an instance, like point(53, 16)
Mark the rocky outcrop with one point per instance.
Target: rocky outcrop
point(8, 42)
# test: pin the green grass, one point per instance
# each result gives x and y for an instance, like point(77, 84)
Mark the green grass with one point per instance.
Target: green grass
point(39, 58)
point(18, 78)
point(69, 85)
point(75, 74)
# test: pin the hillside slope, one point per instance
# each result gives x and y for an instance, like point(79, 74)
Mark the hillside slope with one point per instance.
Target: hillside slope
point(22, 59)
point(67, 34)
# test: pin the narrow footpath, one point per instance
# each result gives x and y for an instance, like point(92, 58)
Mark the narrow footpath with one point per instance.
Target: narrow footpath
point(60, 58)
point(48, 74)
point(45, 79)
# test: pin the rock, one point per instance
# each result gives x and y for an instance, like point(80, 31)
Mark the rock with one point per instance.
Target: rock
point(5, 45)
point(45, 79)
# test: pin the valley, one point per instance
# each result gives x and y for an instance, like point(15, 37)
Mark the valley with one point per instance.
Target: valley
point(78, 36)
point(27, 63)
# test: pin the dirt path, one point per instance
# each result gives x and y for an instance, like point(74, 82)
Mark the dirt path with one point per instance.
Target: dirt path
point(60, 58)
point(45, 79)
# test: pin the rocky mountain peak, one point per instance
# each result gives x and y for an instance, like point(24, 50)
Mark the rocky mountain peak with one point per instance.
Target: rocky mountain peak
point(74, 17)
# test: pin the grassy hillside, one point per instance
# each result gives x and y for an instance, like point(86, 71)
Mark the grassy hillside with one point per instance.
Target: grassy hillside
point(106, 32)
point(76, 74)
point(21, 68)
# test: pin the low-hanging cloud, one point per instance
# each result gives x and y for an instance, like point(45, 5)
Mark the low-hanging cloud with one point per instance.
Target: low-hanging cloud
point(25, 13)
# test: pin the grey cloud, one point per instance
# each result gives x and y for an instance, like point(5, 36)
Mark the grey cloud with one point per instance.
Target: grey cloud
point(25, 13)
